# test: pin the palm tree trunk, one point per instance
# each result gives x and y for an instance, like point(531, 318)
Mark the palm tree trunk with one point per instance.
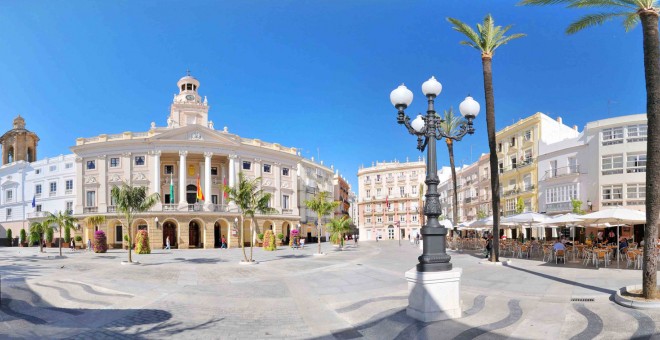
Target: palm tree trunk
point(41, 242)
point(251, 237)
point(486, 61)
point(450, 147)
point(60, 240)
point(649, 19)
point(243, 238)
point(318, 233)
point(130, 245)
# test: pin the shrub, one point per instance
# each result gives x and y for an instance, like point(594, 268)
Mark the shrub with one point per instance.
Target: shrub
point(78, 238)
point(100, 244)
point(49, 234)
point(23, 236)
point(34, 237)
point(280, 236)
point(67, 235)
point(260, 236)
point(142, 242)
point(269, 240)
point(9, 236)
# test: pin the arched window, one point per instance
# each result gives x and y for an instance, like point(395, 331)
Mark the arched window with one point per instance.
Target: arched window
point(30, 155)
point(10, 154)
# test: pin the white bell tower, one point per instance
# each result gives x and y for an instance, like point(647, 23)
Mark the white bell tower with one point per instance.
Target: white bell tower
point(188, 107)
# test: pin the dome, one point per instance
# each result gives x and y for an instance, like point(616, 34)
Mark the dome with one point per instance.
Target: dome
point(188, 83)
point(19, 122)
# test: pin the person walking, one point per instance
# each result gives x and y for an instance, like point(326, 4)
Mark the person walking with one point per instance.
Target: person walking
point(73, 244)
point(167, 243)
point(223, 242)
point(89, 244)
point(302, 243)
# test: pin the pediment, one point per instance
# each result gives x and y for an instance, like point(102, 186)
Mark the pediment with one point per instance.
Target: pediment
point(196, 133)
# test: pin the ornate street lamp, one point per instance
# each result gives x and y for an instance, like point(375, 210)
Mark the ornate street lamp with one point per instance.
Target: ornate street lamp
point(427, 129)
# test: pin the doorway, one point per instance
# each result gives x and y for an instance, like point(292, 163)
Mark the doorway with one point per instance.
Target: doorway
point(169, 230)
point(191, 194)
point(216, 235)
point(193, 235)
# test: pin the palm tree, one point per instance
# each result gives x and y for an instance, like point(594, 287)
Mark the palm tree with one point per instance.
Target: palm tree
point(632, 12)
point(322, 206)
point(130, 201)
point(39, 229)
point(250, 200)
point(488, 38)
point(450, 124)
point(94, 220)
point(62, 220)
point(337, 228)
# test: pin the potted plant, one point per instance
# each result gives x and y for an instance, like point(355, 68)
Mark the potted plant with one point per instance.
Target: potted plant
point(269, 241)
point(49, 237)
point(23, 238)
point(142, 243)
point(78, 242)
point(280, 237)
point(9, 237)
point(100, 244)
point(260, 239)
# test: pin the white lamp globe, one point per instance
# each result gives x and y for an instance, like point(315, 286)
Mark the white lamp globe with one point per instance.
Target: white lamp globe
point(418, 123)
point(469, 107)
point(401, 96)
point(431, 87)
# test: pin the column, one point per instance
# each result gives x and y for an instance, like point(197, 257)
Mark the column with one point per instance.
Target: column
point(207, 180)
point(156, 181)
point(182, 179)
point(223, 178)
point(102, 167)
point(232, 178)
point(126, 164)
point(79, 187)
point(277, 172)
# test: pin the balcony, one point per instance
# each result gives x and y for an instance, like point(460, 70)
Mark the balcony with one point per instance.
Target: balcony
point(287, 211)
point(528, 188)
point(612, 172)
point(469, 200)
point(612, 141)
point(636, 170)
point(170, 207)
point(90, 210)
point(195, 207)
point(68, 191)
point(37, 195)
point(564, 171)
point(37, 214)
point(112, 208)
point(390, 179)
point(526, 162)
point(559, 207)
point(510, 192)
point(219, 207)
point(52, 194)
point(401, 178)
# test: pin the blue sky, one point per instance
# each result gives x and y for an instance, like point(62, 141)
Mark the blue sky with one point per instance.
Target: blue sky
point(311, 74)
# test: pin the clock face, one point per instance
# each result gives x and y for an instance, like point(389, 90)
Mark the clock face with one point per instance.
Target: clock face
point(190, 97)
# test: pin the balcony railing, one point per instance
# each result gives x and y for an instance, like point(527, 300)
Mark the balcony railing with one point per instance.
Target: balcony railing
point(287, 211)
point(390, 179)
point(52, 194)
point(89, 210)
point(561, 206)
point(612, 172)
point(68, 191)
point(170, 207)
point(528, 188)
point(112, 208)
point(635, 170)
point(526, 162)
point(564, 171)
point(37, 195)
point(219, 207)
point(195, 207)
point(36, 214)
point(510, 192)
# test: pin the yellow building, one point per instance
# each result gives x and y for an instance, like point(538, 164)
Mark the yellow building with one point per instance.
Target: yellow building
point(517, 152)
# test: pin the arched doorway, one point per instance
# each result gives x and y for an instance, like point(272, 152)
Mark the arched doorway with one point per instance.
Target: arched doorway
point(191, 194)
point(169, 230)
point(286, 230)
point(390, 232)
point(194, 230)
point(220, 229)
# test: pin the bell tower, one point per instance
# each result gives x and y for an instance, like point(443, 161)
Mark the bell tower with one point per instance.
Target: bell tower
point(19, 144)
point(188, 108)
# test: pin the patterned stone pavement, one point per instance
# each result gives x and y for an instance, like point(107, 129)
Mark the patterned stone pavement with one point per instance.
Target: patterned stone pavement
point(356, 293)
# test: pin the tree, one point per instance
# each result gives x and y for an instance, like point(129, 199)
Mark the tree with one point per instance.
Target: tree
point(130, 201)
point(337, 227)
point(321, 205)
point(486, 41)
point(632, 12)
point(520, 205)
point(250, 200)
point(39, 229)
point(451, 124)
point(577, 206)
point(62, 220)
point(481, 214)
point(94, 220)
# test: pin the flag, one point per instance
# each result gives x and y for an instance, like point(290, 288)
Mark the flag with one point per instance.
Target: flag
point(200, 194)
point(224, 183)
point(34, 201)
point(171, 190)
point(387, 202)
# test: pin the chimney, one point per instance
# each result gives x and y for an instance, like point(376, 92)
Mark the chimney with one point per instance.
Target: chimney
point(559, 120)
point(575, 127)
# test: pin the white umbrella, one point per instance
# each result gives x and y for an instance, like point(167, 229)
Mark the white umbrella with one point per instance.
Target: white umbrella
point(616, 215)
point(528, 218)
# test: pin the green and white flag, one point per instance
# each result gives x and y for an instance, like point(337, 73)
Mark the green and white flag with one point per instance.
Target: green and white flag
point(171, 190)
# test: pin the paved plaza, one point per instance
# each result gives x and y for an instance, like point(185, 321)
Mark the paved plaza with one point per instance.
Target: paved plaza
point(356, 293)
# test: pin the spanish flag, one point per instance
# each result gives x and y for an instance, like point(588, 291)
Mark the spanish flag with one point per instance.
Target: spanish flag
point(200, 194)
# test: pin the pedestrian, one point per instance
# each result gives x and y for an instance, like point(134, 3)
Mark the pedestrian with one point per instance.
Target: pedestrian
point(167, 242)
point(417, 239)
point(72, 245)
point(89, 244)
point(302, 243)
point(223, 242)
point(489, 245)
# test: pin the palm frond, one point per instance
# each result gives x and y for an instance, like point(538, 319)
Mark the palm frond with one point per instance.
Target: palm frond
point(466, 30)
point(591, 20)
point(631, 21)
point(632, 4)
point(451, 122)
point(543, 2)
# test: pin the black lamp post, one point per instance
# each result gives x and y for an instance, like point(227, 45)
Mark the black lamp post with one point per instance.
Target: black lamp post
point(427, 129)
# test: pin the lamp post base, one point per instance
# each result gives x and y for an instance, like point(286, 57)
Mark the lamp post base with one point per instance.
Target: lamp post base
point(434, 296)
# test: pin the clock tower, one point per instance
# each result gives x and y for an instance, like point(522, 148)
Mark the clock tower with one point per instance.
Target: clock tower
point(188, 108)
